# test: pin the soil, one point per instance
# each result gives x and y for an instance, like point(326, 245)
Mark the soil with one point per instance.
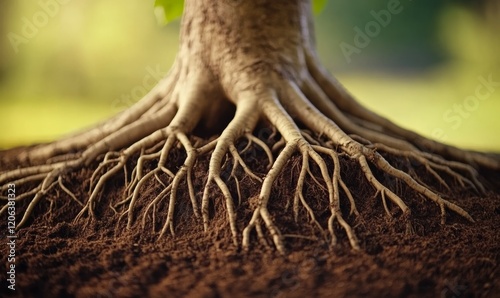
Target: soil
point(57, 257)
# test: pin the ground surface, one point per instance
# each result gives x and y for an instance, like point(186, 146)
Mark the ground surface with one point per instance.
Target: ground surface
point(59, 258)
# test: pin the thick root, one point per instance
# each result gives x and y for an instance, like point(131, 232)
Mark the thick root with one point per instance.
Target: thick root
point(332, 125)
point(383, 130)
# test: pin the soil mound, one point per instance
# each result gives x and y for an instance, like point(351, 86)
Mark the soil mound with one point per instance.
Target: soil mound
point(57, 257)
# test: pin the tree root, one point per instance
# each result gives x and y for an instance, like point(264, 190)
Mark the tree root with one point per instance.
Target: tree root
point(333, 125)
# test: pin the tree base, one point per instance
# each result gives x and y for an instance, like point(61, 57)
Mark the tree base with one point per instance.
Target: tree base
point(154, 129)
point(270, 75)
point(325, 180)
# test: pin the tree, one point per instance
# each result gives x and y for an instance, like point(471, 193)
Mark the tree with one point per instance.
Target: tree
point(259, 59)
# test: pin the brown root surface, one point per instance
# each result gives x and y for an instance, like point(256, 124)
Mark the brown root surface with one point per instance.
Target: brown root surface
point(57, 257)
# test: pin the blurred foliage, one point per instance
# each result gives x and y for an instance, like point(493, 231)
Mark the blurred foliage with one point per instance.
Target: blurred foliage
point(170, 10)
point(94, 58)
point(318, 5)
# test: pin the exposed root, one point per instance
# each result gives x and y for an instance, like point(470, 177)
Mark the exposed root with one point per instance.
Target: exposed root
point(181, 174)
point(152, 102)
point(332, 126)
point(245, 118)
point(433, 163)
point(349, 105)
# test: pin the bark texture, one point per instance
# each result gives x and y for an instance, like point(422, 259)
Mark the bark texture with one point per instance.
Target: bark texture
point(240, 63)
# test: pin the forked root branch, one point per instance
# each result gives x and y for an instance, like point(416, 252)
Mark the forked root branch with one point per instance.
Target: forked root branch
point(151, 131)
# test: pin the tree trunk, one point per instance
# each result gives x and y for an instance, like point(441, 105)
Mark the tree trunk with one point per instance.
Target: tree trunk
point(245, 45)
point(240, 62)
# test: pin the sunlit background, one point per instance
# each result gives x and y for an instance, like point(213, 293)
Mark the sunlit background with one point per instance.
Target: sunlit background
point(425, 64)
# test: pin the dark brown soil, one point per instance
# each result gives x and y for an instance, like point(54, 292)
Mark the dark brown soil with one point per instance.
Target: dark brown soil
point(58, 258)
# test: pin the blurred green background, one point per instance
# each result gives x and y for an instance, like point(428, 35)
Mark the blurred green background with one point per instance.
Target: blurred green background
point(65, 64)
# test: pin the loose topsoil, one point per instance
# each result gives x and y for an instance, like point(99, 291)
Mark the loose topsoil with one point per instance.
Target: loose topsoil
point(57, 257)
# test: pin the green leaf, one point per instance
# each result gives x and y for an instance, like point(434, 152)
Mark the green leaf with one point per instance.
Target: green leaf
point(318, 5)
point(168, 10)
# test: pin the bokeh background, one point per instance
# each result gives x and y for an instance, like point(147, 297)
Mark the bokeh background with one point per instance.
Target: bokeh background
point(66, 64)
